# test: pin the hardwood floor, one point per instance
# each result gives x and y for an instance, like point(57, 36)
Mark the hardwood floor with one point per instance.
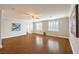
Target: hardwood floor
point(35, 44)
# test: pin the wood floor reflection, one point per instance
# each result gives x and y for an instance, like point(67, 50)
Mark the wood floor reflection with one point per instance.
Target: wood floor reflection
point(33, 43)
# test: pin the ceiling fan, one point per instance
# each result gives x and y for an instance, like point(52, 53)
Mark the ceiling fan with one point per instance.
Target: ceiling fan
point(32, 16)
point(28, 14)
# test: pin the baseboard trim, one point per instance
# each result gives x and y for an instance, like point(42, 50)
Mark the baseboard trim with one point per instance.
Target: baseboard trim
point(12, 36)
point(38, 33)
point(58, 36)
point(54, 36)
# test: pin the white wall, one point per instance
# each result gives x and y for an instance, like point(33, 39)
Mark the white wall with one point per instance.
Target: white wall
point(0, 30)
point(35, 30)
point(6, 26)
point(63, 28)
point(74, 41)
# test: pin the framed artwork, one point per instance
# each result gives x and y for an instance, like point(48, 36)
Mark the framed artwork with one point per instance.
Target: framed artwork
point(16, 27)
point(75, 21)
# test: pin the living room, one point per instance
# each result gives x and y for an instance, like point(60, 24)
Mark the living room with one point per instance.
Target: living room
point(47, 25)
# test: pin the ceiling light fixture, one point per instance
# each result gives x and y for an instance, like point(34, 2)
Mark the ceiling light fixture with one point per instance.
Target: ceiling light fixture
point(32, 15)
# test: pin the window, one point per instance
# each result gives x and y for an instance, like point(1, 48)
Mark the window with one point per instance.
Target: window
point(39, 26)
point(53, 26)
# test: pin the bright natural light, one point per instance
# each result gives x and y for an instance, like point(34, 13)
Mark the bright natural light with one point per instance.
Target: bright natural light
point(39, 26)
point(39, 41)
point(53, 26)
point(53, 46)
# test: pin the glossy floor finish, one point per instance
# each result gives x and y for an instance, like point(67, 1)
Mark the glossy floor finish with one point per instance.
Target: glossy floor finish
point(33, 43)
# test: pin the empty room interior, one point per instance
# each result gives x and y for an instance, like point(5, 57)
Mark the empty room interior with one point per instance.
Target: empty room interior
point(39, 29)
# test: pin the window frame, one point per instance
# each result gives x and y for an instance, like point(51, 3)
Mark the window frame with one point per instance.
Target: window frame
point(53, 25)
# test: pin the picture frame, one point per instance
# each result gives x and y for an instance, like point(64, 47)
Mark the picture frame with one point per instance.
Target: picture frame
point(16, 27)
point(75, 21)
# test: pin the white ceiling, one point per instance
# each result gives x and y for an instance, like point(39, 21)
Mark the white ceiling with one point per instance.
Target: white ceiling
point(43, 11)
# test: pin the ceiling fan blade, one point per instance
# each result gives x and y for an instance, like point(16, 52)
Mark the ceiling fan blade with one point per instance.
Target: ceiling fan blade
point(35, 17)
point(27, 14)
